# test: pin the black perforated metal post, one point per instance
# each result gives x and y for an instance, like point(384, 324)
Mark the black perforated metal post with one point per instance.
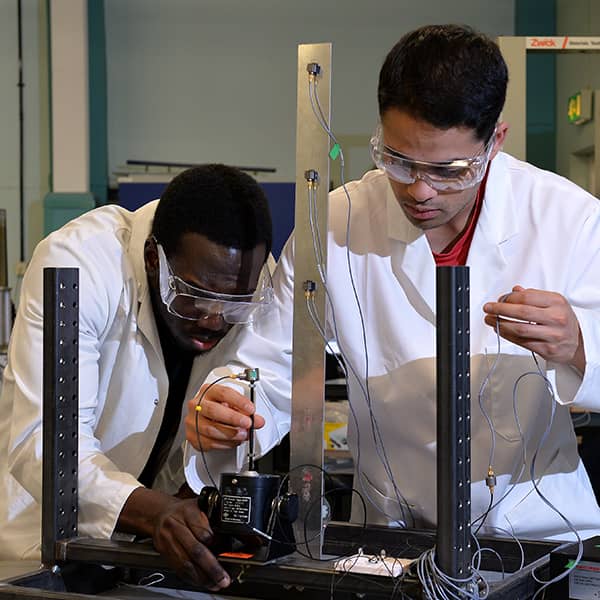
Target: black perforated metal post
point(60, 408)
point(453, 548)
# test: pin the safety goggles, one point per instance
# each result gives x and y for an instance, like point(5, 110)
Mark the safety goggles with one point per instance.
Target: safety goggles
point(192, 303)
point(453, 175)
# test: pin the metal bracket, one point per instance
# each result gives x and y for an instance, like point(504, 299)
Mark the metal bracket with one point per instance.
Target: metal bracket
point(60, 409)
point(453, 422)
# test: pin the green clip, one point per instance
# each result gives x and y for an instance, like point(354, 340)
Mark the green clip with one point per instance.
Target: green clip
point(335, 151)
point(570, 564)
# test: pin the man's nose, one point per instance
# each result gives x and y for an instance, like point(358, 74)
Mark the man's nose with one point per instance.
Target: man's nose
point(420, 191)
point(212, 320)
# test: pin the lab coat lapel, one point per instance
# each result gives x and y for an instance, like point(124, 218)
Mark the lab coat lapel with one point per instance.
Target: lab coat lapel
point(498, 223)
point(146, 324)
point(411, 259)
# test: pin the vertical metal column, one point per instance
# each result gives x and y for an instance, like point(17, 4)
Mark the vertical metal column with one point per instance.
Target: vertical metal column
point(5, 300)
point(308, 371)
point(453, 546)
point(60, 408)
point(3, 250)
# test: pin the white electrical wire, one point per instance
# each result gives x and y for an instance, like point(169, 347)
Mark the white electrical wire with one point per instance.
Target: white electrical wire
point(535, 482)
point(376, 433)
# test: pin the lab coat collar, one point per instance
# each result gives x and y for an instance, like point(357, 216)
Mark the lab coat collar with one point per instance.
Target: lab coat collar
point(142, 226)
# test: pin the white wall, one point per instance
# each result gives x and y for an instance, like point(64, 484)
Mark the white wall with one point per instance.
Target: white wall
point(210, 80)
point(215, 80)
point(35, 125)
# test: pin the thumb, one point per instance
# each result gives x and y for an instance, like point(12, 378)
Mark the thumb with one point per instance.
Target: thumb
point(259, 422)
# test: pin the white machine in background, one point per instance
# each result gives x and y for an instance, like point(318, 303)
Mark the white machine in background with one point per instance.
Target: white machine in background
point(514, 49)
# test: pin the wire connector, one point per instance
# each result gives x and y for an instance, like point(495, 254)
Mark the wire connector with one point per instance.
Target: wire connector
point(490, 480)
point(250, 375)
point(309, 287)
point(311, 175)
point(313, 69)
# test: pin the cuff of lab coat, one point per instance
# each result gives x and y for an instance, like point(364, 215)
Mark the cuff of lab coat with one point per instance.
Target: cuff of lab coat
point(99, 512)
point(586, 393)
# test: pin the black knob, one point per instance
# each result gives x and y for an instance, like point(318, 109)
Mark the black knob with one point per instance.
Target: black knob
point(208, 501)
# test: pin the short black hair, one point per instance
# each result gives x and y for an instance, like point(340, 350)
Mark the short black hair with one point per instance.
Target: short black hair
point(446, 75)
point(220, 202)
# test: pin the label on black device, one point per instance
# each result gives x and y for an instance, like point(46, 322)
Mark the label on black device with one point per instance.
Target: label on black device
point(235, 509)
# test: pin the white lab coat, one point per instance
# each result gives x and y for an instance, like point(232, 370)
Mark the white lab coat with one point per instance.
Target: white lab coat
point(535, 229)
point(123, 384)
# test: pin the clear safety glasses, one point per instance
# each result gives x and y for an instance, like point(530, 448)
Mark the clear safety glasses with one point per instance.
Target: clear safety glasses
point(453, 175)
point(192, 303)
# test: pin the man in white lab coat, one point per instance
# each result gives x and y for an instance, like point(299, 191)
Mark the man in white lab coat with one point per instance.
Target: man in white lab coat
point(445, 194)
point(160, 288)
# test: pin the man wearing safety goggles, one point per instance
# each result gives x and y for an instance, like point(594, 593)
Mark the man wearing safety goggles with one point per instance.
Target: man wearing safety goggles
point(443, 193)
point(191, 303)
point(160, 289)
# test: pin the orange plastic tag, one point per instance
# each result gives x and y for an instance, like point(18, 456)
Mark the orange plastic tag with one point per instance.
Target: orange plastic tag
point(236, 555)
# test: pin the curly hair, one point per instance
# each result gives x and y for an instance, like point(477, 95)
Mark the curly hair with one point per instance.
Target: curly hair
point(220, 202)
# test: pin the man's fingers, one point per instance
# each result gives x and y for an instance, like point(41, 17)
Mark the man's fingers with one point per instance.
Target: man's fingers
point(517, 331)
point(220, 420)
point(215, 411)
point(181, 536)
point(258, 421)
point(531, 297)
point(200, 570)
point(193, 542)
point(222, 394)
point(205, 560)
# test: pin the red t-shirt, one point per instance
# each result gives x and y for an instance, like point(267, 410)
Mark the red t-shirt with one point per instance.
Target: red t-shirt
point(457, 255)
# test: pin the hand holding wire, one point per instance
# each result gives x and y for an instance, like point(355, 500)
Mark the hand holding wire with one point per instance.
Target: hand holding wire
point(220, 418)
point(540, 321)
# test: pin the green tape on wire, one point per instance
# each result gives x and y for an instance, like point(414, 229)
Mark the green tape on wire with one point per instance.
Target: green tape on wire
point(335, 151)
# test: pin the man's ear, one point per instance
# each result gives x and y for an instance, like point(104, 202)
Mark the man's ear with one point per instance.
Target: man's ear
point(151, 257)
point(501, 131)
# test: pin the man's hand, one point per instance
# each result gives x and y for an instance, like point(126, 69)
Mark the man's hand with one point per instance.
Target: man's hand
point(223, 420)
point(180, 532)
point(546, 324)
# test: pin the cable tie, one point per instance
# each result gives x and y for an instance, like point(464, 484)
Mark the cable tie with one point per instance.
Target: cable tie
point(335, 151)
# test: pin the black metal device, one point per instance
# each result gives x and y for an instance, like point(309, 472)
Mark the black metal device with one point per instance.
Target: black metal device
point(583, 580)
point(453, 546)
point(60, 408)
point(251, 516)
point(249, 511)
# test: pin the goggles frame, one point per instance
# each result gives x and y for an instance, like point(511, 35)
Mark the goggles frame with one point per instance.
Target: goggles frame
point(192, 303)
point(452, 175)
